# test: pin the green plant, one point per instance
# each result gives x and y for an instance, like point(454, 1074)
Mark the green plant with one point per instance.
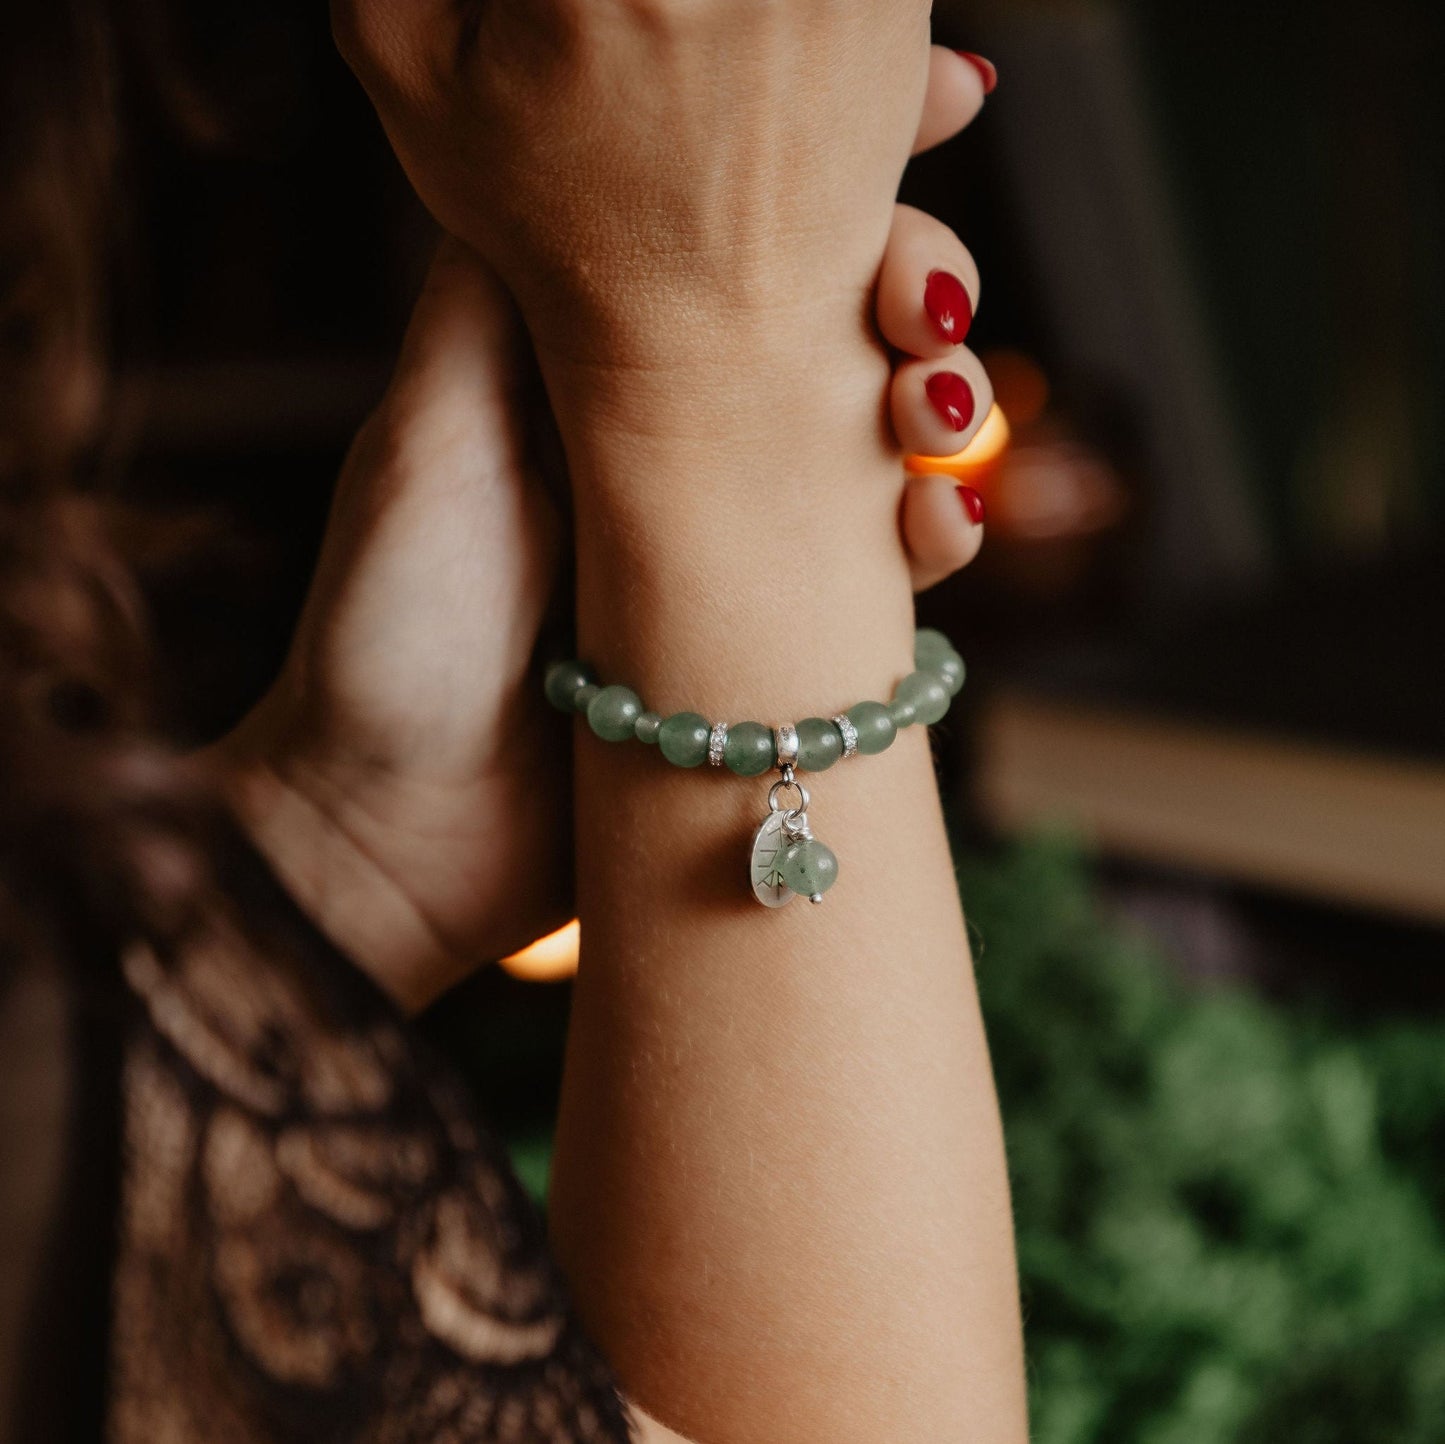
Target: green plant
point(1228, 1214)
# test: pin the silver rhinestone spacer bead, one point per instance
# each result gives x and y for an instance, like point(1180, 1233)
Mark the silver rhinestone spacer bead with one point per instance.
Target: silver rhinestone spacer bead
point(786, 737)
point(717, 742)
point(844, 723)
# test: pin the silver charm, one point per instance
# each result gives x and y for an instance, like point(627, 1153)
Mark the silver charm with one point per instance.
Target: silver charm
point(782, 827)
point(769, 841)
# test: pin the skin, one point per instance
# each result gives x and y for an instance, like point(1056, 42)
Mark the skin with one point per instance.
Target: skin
point(406, 729)
point(780, 1193)
point(377, 771)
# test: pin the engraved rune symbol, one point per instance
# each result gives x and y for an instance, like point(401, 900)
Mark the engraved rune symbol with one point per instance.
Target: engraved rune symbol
point(768, 844)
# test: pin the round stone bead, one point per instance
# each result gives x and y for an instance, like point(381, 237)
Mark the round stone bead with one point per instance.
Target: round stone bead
point(820, 744)
point(875, 725)
point(808, 867)
point(927, 694)
point(935, 701)
point(749, 751)
point(930, 647)
point(903, 712)
point(564, 680)
point(952, 670)
point(646, 728)
point(683, 739)
point(613, 713)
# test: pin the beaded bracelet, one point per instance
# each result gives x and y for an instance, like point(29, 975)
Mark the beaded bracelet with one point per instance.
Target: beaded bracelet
point(786, 859)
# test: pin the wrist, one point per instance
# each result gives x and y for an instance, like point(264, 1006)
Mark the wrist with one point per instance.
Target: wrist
point(744, 581)
point(330, 874)
point(396, 874)
point(725, 408)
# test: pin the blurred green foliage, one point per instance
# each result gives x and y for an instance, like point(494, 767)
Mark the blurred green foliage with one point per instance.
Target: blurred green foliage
point(1229, 1213)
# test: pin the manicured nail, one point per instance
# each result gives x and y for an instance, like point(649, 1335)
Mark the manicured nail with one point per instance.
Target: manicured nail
point(972, 504)
point(987, 70)
point(952, 398)
point(945, 298)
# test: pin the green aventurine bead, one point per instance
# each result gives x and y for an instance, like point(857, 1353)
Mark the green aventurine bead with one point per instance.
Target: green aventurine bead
point(927, 694)
point(749, 750)
point(683, 739)
point(808, 867)
point(930, 647)
point(646, 728)
point(952, 670)
point(613, 713)
point(564, 681)
point(875, 725)
point(820, 744)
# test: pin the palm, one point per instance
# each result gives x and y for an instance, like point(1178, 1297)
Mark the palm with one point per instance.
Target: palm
point(406, 705)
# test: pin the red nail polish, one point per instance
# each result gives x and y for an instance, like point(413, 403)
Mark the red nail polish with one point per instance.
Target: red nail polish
point(972, 504)
point(952, 398)
point(945, 298)
point(987, 70)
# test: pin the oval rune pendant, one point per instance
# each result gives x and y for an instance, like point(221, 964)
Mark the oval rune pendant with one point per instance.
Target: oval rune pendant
point(769, 842)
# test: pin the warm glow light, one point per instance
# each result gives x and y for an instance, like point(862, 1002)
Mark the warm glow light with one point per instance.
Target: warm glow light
point(550, 959)
point(1019, 385)
point(981, 454)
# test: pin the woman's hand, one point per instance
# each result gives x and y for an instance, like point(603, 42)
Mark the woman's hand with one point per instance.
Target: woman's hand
point(401, 774)
point(655, 178)
point(689, 200)
point(396, 772)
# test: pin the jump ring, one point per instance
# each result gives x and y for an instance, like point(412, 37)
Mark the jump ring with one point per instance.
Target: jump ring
point(797, 787)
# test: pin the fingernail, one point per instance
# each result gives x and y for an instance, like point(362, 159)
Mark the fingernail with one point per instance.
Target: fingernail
point(972, 504)
point(987, 70)
point(945, 298)
point(952, 398)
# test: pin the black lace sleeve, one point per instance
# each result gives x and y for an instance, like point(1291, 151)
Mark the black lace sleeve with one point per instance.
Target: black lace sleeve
point(319, 1240)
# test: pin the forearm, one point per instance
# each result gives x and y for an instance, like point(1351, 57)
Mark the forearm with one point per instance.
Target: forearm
point(780, 1191)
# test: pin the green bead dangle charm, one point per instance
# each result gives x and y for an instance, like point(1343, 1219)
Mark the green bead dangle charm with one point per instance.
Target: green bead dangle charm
point(808, 867)
point(787, 860)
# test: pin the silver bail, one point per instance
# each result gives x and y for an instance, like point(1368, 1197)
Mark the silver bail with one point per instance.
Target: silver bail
point(786, 738)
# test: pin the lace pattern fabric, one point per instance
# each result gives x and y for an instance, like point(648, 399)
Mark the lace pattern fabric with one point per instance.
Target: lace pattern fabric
point(318, 1238)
